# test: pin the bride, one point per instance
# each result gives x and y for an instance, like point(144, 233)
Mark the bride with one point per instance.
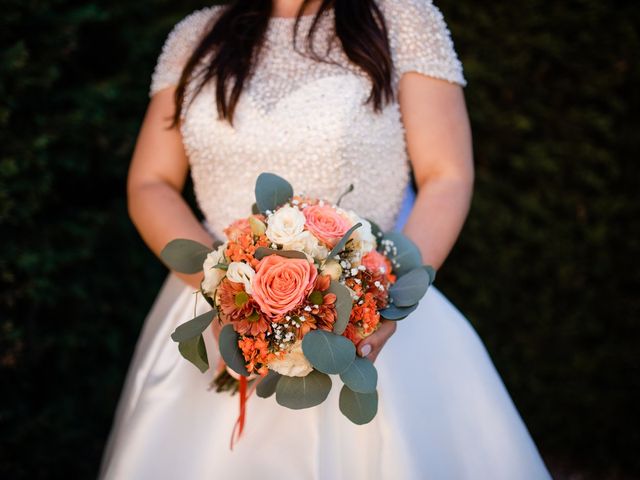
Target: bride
point(370, 91)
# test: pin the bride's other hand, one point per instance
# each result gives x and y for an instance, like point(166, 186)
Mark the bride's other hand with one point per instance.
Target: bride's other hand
point(440, 148)
point(439, 144)
point(371, 346)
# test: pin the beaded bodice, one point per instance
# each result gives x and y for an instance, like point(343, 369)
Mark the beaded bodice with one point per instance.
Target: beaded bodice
point(306, 120)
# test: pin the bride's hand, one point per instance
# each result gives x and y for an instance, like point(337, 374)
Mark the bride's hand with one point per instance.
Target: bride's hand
point(371, 346)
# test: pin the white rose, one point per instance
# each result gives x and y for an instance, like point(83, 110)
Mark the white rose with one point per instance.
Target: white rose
point(293, 364)
point(363, 237)
point(241, 272)
point(213, 276)
point(285, 224)
point(307, 243)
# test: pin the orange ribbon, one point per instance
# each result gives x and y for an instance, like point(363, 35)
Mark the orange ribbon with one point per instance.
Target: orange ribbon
point(239, 426)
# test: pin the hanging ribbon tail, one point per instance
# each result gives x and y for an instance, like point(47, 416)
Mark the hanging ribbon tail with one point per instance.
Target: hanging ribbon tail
point(239, 425)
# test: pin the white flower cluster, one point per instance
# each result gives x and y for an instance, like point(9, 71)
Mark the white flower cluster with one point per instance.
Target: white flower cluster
point(390, 250)
point(286, 228)
point(239, 272)
point(213, 275)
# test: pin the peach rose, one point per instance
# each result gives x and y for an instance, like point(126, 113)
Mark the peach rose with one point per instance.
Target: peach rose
point(281, 284)
point(326, 223)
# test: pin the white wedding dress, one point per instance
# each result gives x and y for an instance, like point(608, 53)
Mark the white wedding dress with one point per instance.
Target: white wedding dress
point(444, 413)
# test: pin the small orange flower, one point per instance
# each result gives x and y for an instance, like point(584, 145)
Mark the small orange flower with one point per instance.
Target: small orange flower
point(366, 314)
point(353, 333)
point(244, 248)
point(256, 353)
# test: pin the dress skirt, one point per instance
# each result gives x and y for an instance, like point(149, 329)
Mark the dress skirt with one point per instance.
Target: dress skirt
point(444, 412)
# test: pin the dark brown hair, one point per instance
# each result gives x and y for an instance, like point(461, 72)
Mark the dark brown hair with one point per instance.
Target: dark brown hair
point(237, 35)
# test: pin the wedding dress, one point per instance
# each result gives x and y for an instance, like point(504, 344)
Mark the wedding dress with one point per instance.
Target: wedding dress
point(443, 412)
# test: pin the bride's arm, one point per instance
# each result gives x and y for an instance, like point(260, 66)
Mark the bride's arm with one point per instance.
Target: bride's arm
point(439, 145)
point(155, 181)
point(440, 148)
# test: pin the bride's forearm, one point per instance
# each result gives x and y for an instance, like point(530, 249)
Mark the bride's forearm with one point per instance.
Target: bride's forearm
point(437, 217)
point(160, 214)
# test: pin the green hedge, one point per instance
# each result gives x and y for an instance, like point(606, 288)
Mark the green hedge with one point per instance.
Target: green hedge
point(544, 268)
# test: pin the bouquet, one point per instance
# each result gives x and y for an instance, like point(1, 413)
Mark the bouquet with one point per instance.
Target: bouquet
point(298, 284)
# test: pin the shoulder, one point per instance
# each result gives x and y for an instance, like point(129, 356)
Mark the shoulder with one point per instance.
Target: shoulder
point(192, 26)
point(403, 16)
point(179, 44)
point(420, 39)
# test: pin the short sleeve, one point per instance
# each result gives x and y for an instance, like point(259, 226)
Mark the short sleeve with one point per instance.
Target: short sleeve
point(178, 47)
point(420, 40)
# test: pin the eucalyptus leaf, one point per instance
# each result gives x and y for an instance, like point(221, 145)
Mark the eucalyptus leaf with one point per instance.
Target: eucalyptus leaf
point(272, 191)
point(360, 408)
point(193, 327)
point(407, 256)
point(262, 252)
point(194, 350)
point(303, 392)
point(431, 271)
point(268, 384)
point(184, 255)
point(393, 312)
point(343, 305)
point(410, 288)
point(343, 241)
point(230, 351)
point(361, 376)
point(328, 352)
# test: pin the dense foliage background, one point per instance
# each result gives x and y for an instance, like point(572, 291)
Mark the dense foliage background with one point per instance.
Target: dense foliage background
point(546, 268)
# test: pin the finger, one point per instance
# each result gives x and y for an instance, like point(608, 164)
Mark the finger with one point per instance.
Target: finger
point(370, 347)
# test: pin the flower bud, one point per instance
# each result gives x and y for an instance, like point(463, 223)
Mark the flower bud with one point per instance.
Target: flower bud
point(331, 268)
point(257, 227)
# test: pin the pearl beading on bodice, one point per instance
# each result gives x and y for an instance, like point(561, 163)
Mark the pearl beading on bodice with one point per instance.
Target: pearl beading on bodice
point(306, 120)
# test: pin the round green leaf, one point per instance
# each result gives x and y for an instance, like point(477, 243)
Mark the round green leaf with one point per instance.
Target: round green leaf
point(360, 408)
point(230, 351)
point(193, 327)
point(303, 392)
point(344, 304)
point(184, 255)
point(272, 191)
point(393, 312)
point(431, 271)
point(407, 256)
point(410, 288)
point(328, 352)
point(262, 252)
point(361, 376)
point(194, 350)
point(268, 384)
point(375, 230)
point(343, 241)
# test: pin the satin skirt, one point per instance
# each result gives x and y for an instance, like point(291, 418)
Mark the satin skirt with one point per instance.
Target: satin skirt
point(444, 412)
